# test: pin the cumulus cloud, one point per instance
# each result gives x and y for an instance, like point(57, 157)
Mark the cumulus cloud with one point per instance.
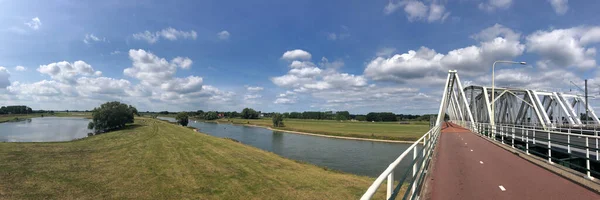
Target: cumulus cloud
point(495, 43)
point(4, 75)
point(167, 33)
point(223, 35)
point(288, 97)
point(34, 24)
point(65, 71)
point(297, 54)
point(418, 11)
point(254, 89)
point(560, 6)
point(20, 68)
point(571, 47)
point(153, 70)
point(91, 38)
point(492, 5)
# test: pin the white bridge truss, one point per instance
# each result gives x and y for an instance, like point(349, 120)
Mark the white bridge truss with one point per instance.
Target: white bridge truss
point(516, 106)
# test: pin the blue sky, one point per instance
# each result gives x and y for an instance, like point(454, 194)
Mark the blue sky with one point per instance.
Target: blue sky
point(359, 56)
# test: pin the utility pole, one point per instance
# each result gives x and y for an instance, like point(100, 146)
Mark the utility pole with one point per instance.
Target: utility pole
point(586, 103)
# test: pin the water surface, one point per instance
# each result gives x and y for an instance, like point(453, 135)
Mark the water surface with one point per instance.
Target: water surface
point(44, 129)
point(352, 156)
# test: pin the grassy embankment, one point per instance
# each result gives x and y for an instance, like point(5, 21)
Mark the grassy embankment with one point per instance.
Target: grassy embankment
point(372, 130)
point(152, 159)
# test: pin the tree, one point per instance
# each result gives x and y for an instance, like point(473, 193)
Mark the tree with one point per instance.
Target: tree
point(182, 118)
point(373, 117)
point(342, 115)
point(134, 110)
point(211, 115)
point(361, 118)
point(111, 115)
point(249, 113)
point(90, 125)
point(278, 120)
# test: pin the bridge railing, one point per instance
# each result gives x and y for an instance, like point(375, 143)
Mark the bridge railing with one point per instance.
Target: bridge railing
point(421, 156)
point(566, 144)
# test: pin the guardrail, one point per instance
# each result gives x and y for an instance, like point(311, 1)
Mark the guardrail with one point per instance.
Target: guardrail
point(572, 143)
point(420, 163)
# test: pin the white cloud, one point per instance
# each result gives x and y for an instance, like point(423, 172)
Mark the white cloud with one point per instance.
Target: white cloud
point(4, 75)
point(254, 89)
point(297, 54)
point(20, 68)
point(252, 96)
point(496, 42)
point(34, 24)
point(417, 10)
point(560, 6)
point(565, 47)
point(89, 38)
point(284, 101)
point(152, 70)
point(331, 65)
point(115, 52)
point(223, 35)
point(102, 86)
point(65, 71)
point(493, 5)
point(386, 51)
point(403, 67)
point(167, 33)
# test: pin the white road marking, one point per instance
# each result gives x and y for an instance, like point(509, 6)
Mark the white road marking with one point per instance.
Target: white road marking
point(502, 188)
point(465, 143)
point(481, 162)
point(471, 149)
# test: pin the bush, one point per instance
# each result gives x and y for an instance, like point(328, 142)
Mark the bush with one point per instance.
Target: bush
point(278, 120)
point(182, 118)
point(111, 115)
point(91, 125)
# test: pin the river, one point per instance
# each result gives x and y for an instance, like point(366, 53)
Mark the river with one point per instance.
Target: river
point(352, 156)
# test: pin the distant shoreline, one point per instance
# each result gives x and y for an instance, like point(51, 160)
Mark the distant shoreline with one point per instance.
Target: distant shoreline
point(328, 136)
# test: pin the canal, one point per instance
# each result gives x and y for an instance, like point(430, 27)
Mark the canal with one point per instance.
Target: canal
point(351, 156)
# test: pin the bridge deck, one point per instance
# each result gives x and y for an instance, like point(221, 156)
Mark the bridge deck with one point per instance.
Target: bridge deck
point(469, 167)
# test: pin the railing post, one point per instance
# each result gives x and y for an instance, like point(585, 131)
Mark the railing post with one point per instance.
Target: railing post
point(587, 156)
point(533, 135)
point(414, 170)
point(513, 137)
point(502, 133)
point(549, 149)
point(527, 141)
point(390, 185)
point(596, 133)
point(568, 143)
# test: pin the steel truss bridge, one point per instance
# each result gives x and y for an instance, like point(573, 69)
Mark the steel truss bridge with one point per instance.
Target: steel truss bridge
point(543, 125)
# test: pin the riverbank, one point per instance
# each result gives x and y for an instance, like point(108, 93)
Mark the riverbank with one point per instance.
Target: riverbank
point(152, 159)
point(329, 136)
point(370, 131)
point(17, 117)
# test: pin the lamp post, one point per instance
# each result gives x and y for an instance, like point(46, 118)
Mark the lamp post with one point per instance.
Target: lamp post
point(493, 114)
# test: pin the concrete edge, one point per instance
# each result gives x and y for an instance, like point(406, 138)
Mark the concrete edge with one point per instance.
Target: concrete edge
point(565, 172)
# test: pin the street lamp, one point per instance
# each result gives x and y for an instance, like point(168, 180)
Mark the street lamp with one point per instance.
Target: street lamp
point(493, 121)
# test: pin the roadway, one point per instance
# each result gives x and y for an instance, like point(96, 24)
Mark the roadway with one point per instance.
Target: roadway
point(467, 166)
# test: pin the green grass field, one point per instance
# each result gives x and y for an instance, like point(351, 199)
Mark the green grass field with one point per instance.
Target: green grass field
point(374, 130)
point(152, 159)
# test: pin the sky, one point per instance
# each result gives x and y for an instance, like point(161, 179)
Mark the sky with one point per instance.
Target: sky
point(282, 56)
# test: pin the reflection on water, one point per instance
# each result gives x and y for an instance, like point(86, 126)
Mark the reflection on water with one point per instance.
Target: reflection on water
point(46, 129)
point(352, 156)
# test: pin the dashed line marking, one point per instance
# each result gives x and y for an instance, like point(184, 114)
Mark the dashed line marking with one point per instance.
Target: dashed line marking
point(465, 143)
point(481, 162)
point(502, 188)
point(471, 149)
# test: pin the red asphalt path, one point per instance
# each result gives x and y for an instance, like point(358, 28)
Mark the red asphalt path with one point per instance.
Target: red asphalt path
point(467, 166)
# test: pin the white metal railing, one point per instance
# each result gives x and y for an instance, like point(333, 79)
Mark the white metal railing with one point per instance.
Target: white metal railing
point(575, 142)
point(420, 162)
